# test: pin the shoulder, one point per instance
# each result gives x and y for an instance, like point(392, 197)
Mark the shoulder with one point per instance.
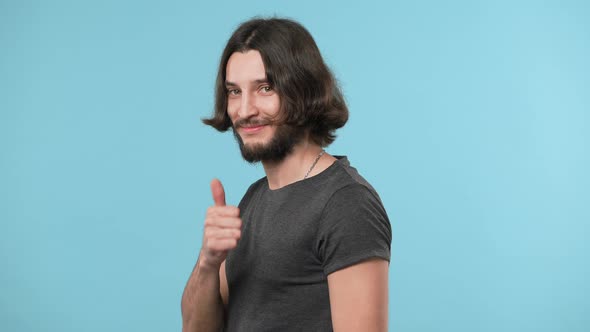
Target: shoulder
point(352, 199)
point(354, 202)
point(348, 185)
point(354, 194)
point(353, 226)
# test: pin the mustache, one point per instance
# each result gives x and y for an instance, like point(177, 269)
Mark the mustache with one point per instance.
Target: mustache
point(252, 122)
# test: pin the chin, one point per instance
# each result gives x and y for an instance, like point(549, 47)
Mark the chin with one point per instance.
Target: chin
point(273, 147)
point(251, 142)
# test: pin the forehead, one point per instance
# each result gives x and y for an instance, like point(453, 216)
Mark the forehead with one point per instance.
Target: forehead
point(245, 67)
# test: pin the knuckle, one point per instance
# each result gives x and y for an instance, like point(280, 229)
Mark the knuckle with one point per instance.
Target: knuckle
point(225, 211)
point(210, 233)
point(210, 210)
point(234, 211)
point(211, 221)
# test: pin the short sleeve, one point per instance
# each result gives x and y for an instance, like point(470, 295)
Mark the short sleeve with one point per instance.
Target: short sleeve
point(354, 227)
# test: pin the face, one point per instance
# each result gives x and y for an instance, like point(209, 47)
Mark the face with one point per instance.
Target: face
point(252, 106)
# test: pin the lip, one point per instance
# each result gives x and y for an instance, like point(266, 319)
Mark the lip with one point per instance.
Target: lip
point(252, 129)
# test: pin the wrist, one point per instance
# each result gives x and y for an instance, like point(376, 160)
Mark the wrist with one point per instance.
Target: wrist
point(205, 264)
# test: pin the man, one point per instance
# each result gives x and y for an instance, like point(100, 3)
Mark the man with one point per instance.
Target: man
point(308, 247)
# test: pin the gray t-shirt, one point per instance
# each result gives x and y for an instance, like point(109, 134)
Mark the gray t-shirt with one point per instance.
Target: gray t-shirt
point(292, 239)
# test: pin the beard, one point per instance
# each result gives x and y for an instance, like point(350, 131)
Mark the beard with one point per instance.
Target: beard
point(280, 145)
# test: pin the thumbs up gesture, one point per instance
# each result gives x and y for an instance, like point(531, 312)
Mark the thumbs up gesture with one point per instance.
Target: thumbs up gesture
point(222, 228)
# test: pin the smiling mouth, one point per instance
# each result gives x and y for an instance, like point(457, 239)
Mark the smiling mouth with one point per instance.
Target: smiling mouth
point(252, 129)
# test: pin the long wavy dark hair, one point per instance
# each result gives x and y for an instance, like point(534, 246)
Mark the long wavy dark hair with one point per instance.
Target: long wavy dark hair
point(310, 97)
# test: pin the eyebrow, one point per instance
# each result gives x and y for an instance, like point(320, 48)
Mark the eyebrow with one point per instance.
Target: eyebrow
point(258, 81)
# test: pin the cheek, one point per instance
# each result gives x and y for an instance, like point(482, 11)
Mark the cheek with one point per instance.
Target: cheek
point(270, 105)
point(232, 109)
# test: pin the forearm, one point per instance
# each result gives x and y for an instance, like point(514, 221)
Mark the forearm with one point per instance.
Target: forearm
point(202, 306)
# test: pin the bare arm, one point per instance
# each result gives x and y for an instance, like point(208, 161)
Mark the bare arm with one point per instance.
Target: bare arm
point(202, 303)
point(206, 291)
point(359, 297)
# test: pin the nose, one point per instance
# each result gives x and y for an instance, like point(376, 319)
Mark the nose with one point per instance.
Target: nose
point(247, 106)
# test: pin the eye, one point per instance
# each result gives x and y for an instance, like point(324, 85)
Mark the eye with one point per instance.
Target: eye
point(265, 89)
point(233, 92)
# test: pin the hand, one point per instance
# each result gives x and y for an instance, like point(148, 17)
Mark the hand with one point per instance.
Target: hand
point(222, 229)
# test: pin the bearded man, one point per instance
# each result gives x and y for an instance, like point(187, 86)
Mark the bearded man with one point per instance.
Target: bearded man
point(308, 247)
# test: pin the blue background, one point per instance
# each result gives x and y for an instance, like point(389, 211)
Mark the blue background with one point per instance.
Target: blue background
point(471, 119)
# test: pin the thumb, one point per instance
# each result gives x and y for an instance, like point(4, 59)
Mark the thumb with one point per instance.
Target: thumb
point(218, 192)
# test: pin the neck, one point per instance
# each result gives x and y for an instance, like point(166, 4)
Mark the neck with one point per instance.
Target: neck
point(294, 167)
